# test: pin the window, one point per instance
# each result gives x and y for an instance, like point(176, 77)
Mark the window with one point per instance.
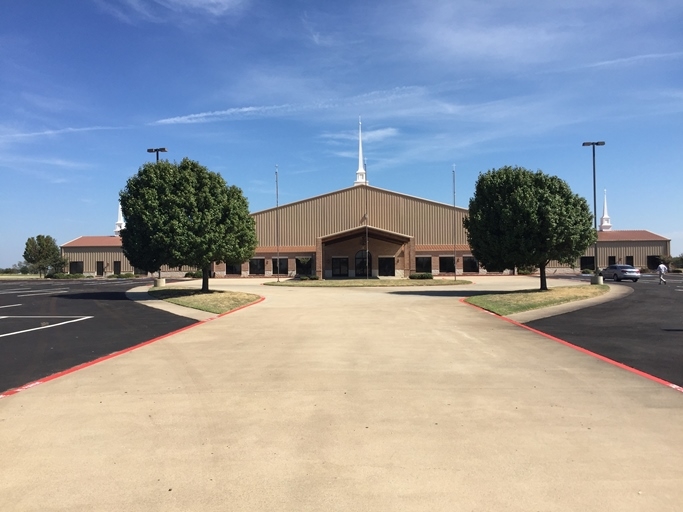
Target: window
point(257, 266)
point(586, 262)
point(340, 267)
point(653, 262)
point(304, 266)
point(423, 264)
point(629, 260)
point(470, 264)
point(446, 264)
point(611, 260)
point(75, 267)
point(233, 269)
point(362, 268)
point(281, 267)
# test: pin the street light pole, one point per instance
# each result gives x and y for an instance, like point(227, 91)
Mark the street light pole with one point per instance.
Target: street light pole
point(157, 151)
point(595, 211)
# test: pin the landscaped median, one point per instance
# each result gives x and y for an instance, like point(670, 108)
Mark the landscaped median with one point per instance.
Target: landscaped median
point(360, 282)
point(213, 302)
point(508, 303)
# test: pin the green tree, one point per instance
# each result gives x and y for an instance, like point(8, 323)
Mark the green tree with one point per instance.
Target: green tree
point(42, 252)
point(184, 214)
point(522, 218)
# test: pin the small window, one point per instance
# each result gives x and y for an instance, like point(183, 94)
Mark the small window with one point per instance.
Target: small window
point(446, 264)
point(611, 260)
point(470, 264)
point(257, 266)
point(281, 267)
point(75, 267)
point(423, 264)
point(304, 266)
point(340, 267)
point(233, 269)
point(629, 260)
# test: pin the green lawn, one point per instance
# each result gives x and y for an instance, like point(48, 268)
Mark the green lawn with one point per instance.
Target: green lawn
point(213, 301)
point(505, 304)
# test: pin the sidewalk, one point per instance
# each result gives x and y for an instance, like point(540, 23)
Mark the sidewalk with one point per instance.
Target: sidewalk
point(346, 399)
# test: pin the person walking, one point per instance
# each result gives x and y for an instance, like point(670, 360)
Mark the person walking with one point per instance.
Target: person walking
point(661, 270)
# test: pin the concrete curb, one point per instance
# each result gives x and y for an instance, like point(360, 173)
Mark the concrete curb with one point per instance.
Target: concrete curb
point(615, 292)
point(140, 294)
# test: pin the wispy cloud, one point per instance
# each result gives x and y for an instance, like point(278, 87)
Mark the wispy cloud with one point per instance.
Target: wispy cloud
point(157, 11)
point(44, 133)
point(635, 59)
point(368, 136)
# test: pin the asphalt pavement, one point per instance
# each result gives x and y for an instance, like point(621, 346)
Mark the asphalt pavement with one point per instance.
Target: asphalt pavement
point(643, 329)
point(49, 326)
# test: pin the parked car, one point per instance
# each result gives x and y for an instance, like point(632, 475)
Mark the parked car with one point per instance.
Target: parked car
point(619, 272)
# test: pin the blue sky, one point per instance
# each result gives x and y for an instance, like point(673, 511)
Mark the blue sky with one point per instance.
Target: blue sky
point(244, 85)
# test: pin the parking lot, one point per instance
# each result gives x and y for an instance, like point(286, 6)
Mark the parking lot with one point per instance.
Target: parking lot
point(643, 330)
point(50, 326)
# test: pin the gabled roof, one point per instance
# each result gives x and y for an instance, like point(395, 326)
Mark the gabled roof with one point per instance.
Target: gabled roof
point(94, 241)
point(630, 235)
point(340, 191)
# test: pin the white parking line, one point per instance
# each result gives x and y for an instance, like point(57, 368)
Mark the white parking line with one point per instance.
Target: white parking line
point(10, 306)
point(76, 319)
point(44, 293)
point(14, 290)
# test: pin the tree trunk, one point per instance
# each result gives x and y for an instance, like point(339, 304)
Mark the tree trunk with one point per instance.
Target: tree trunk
point(206, 269)
point(544, 282)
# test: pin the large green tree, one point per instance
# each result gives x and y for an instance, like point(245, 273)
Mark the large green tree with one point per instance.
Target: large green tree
point(521, 218)
point(42, 253)
point(183, 214)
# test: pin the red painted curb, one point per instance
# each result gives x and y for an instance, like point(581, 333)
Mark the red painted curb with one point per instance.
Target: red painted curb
point(581, 349)
point(54, 376)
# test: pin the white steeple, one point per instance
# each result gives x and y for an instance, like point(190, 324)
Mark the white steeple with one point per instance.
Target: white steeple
point(604, 220)
point(119, 222)
point(360, 173)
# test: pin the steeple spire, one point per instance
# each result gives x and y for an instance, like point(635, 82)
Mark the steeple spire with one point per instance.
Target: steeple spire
point(604, 220)
point(119, 222)
point(360, 173)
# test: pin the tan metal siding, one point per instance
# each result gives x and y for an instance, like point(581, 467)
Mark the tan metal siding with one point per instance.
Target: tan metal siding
point(303, 222)
point(91, 255)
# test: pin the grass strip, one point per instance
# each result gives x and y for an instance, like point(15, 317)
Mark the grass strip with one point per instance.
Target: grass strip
point(360, 282)
point(213, 301)
point(505, 304)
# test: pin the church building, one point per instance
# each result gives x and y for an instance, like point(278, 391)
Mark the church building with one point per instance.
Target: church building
point(364, 231)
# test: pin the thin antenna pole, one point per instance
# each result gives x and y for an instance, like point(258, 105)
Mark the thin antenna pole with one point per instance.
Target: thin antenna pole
point(367, 218)
point(455, 216)
point(277, 222)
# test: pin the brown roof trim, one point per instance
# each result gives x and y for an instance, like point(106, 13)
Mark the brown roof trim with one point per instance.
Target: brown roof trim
point(630, 235)
point(94, 241)
point(442, 248)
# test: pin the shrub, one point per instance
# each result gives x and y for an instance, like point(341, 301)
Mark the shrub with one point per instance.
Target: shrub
point(62, 275)
point(586, 271)
point(313, 277)
point(421, 275)
point(127, 275)
point(113, 276)
point(303, 278)
point(677, 271)
point(525, 271)
point(196, 275)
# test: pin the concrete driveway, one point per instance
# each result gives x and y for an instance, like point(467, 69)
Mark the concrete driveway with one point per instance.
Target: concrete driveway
point(348, 400)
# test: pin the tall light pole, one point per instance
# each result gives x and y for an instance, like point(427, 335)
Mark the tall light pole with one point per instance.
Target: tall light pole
point(277, 222)
point(595, 211)
point(455, 217)
point(157, 151)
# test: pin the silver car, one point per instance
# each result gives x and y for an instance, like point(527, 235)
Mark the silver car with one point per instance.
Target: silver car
point(619, 272)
